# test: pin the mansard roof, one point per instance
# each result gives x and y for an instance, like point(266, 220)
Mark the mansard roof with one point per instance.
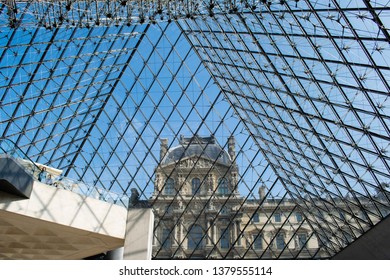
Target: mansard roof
point(196, 146)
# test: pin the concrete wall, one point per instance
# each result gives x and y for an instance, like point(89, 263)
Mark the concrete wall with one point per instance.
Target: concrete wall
point(60, 224)
point(70, 209)
point(139, 234)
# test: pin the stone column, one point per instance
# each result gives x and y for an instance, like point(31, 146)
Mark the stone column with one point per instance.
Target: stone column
point(209, 232)
point(214, 234)
point(234, 231)
point(176, 234)
point(239, 235)
point(181, 233)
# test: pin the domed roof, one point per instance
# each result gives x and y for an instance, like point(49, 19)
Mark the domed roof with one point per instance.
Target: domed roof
point(196, 146)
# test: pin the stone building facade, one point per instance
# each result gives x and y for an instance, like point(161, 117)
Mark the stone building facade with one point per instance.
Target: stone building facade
point(199, 212)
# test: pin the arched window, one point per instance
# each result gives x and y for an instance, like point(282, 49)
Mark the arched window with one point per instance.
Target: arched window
point(195, 235)
point(169, 188)
point(223, 186)
point(195, 186)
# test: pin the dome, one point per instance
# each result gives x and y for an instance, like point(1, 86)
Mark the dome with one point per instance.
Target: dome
point(197, 146)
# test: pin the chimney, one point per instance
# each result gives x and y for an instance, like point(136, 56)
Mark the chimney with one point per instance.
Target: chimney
point(163, 148)
point(232, 148)
point(262, 192)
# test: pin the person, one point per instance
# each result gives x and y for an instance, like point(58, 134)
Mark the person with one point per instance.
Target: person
point(42, 174)
point(49, 179)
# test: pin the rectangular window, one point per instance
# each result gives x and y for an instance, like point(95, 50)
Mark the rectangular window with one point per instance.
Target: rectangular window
point(169, 188)
point(277, 217)
point(341, 215)
point(224, 242)
point(166, 238)
point(321, 214)
point(257, 241)
point(280, 244)
point(223, 186)
point(302, 238)
point(299, 217)
point(349, 237)
point(256, 218)
point(195, 237)
point(195, 183)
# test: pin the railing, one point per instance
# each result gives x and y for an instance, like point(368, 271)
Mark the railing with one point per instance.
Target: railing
point(9, 149)
point(90, 191)
point(53, 177)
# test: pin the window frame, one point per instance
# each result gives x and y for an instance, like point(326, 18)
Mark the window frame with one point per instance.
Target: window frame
point(195, 237)
point(195, 188)
point(256, 218)
point(301, 244)
point(277, 217)
point(223, 186)
point(224, 242)
point(257, 241)
point(298, 217)
point(280, 240)
point(166, 241)
point(169, 187)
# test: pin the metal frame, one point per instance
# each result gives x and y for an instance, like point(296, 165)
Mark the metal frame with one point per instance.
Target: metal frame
point(302, 85)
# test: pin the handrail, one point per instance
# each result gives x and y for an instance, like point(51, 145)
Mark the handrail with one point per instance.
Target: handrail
point(21, 155)
point(10, 149)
